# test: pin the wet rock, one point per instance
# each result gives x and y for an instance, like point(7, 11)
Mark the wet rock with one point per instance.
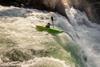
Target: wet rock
point(91, 7)
point(49, 5)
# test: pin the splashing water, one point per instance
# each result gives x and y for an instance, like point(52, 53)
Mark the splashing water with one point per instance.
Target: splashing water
point(83, 32)
point(80, 29)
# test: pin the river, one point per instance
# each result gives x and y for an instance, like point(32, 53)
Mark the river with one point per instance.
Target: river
point(85, 33)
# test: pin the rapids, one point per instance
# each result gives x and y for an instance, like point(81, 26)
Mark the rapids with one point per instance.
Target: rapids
point(81, 30)
point(85, 33)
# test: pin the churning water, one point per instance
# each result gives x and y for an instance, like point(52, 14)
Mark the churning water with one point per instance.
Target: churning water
point(83, 32)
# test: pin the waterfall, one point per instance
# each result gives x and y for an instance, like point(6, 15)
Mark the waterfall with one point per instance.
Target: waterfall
point(85, 33)
point(81, 30)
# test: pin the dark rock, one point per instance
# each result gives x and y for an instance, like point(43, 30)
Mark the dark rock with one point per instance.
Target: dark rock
point(85, 58)
point(49, 5)
point(91, 7)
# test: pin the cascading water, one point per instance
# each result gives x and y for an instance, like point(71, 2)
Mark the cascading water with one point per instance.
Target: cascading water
point(83, 32)
point(80, 29)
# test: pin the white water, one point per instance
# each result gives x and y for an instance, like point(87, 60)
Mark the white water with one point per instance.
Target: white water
point(83, 32)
